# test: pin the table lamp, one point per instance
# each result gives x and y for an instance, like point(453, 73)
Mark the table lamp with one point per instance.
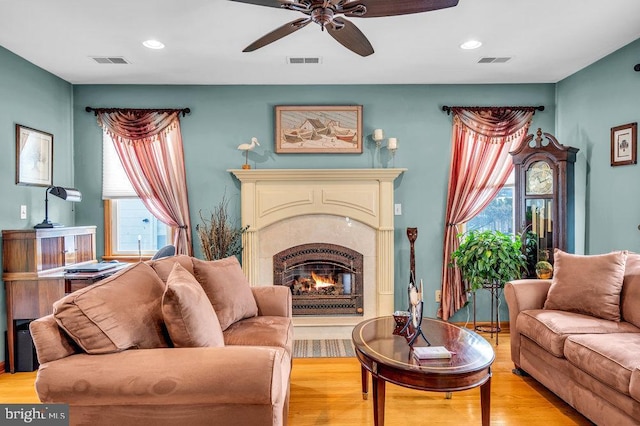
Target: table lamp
point(69, 194)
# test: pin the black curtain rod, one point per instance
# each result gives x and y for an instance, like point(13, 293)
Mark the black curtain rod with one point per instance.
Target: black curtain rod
point(448, 109)
point(184, 111)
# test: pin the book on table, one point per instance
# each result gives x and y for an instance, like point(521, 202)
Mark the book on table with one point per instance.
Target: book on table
point(432, 352)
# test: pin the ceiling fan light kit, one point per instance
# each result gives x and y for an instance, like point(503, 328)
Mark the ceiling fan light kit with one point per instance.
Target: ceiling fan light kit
point(326, 13)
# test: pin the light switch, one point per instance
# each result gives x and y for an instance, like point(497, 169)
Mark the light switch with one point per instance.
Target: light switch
point(398, 209)
point(23, 212)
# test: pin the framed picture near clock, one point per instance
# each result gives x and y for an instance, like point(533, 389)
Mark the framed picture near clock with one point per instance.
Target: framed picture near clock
point(624, 144)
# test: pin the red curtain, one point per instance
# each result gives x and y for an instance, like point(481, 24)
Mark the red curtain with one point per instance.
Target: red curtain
point(480, 166)
point(149, 144)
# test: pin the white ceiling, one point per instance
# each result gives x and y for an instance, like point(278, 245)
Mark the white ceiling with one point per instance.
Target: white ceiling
point(547, 40)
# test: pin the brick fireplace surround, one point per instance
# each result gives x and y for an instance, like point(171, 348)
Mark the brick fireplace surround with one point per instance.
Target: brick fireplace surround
point(350, 207)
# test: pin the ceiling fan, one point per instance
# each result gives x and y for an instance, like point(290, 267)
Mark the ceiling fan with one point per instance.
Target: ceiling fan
point(326, 14)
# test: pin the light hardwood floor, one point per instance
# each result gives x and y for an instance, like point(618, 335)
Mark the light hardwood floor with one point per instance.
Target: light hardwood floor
point(326, 391)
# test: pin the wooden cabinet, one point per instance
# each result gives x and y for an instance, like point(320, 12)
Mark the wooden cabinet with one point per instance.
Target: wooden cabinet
point(33, 263)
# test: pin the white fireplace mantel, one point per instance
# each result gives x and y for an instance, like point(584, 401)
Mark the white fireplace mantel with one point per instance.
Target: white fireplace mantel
point(269, 196)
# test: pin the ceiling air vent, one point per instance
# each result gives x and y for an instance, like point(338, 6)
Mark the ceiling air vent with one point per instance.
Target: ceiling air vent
point(299, 60)
point(110, 59)
point(490, 60)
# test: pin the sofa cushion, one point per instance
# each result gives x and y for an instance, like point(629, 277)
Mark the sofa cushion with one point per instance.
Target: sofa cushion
point(164, 266)
point(630, 304)
point(549, 329)
point(227, 288)
point(588, 285)
point(610, 358)
point(118, 313)
point(261, 331)
point(634, 384)
point(188, 314)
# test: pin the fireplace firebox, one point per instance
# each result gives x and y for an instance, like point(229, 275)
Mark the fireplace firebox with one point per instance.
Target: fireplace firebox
point(325, 279)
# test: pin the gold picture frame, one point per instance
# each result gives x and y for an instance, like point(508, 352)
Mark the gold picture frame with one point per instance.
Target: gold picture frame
point(624, 144)
point(34, 157)
point(318, 129)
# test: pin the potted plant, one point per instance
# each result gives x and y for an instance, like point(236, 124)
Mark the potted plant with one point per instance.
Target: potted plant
point(489, 258)
point(219, 235)
point(544, 269)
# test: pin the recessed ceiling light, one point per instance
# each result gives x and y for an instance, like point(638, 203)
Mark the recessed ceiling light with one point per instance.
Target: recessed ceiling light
point(471, 44)
point(153, 44)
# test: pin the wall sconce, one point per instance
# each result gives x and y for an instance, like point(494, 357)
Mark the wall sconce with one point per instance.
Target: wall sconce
point(68, 194)
point(392, 143)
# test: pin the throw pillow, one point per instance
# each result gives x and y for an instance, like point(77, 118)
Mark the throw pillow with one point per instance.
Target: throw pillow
point(120, 312)
point(164, 266)
point(188, 314)
point(588, 285)
point(630, 296)
point(227, 288)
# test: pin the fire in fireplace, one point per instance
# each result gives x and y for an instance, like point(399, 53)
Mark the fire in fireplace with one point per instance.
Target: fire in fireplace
point(325, 279)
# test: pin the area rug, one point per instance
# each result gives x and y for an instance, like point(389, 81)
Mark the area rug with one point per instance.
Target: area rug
point(330, 348)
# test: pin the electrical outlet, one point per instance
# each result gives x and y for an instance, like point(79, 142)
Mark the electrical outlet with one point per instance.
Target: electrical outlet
point(398, 209)
point(23, 212)
point(438, 296)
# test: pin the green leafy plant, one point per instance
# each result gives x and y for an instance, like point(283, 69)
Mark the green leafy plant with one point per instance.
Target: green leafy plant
point(489, 258)
point(220, 237)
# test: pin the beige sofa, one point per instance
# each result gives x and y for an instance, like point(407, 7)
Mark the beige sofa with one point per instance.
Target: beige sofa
point(579, 334)
point(161, 344)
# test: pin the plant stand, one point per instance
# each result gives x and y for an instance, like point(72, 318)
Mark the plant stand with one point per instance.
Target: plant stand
point(494, 326)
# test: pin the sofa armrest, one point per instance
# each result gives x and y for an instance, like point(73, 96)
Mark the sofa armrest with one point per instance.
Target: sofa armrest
point(273, 300)
point(522, 295)
point(51, 342)
point(232, 375)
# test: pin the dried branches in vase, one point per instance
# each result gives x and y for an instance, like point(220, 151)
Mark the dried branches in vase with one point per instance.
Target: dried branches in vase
point(219, 236)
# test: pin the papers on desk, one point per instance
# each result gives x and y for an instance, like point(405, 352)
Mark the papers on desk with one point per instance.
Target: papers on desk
point(431, 352)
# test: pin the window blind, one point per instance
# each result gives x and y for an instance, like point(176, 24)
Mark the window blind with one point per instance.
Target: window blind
point(115, 183)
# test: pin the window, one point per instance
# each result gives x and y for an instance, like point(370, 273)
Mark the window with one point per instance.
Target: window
point(130, 229)
point(499, 214)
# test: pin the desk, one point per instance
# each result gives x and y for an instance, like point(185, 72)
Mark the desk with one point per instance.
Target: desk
point(76, 280)
point(33, 263)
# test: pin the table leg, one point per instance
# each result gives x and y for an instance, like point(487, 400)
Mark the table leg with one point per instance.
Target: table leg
point(378, 400)
point(365, 382)
point(448, 395)
point(485, 402)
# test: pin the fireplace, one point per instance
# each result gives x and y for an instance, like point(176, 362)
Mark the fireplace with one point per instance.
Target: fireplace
point(350, 208)
point(324, 279)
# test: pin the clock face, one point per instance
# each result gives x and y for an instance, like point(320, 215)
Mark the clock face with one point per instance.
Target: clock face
point(539, 179)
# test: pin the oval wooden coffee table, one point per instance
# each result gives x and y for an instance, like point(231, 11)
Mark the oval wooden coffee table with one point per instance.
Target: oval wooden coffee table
point(388, 358)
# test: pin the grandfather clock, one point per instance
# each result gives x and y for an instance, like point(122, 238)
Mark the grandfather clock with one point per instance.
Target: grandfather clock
point(544, 196)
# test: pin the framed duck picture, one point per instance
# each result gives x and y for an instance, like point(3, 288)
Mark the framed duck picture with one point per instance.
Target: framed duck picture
point(318, 129)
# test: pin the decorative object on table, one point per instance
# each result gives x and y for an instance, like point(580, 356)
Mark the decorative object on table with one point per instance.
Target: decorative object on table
point(219, 236)
point(246, 148)
point(431, 352)
point(544, 195)
point(412, 235)
point(413, 328)
point(318, 129)
point(487, 260)
point(624, 144)
point(34, 157)
point(544, 269)
point(68, 194)
point(327, 15)
point(401, 318)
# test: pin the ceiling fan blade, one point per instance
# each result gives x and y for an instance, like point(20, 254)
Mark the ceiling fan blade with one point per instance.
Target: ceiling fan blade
point(278, 33)
point(269, 3)
point(378, 8)
point(348, 35)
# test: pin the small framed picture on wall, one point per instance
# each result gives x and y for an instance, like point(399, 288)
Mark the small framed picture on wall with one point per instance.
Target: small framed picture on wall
point(34, 157)
point(624, 144)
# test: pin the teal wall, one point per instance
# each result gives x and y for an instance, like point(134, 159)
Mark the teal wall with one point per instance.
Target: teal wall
point(34, 98)
point(222, 117)
point(591, 102)
point(580, 111)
